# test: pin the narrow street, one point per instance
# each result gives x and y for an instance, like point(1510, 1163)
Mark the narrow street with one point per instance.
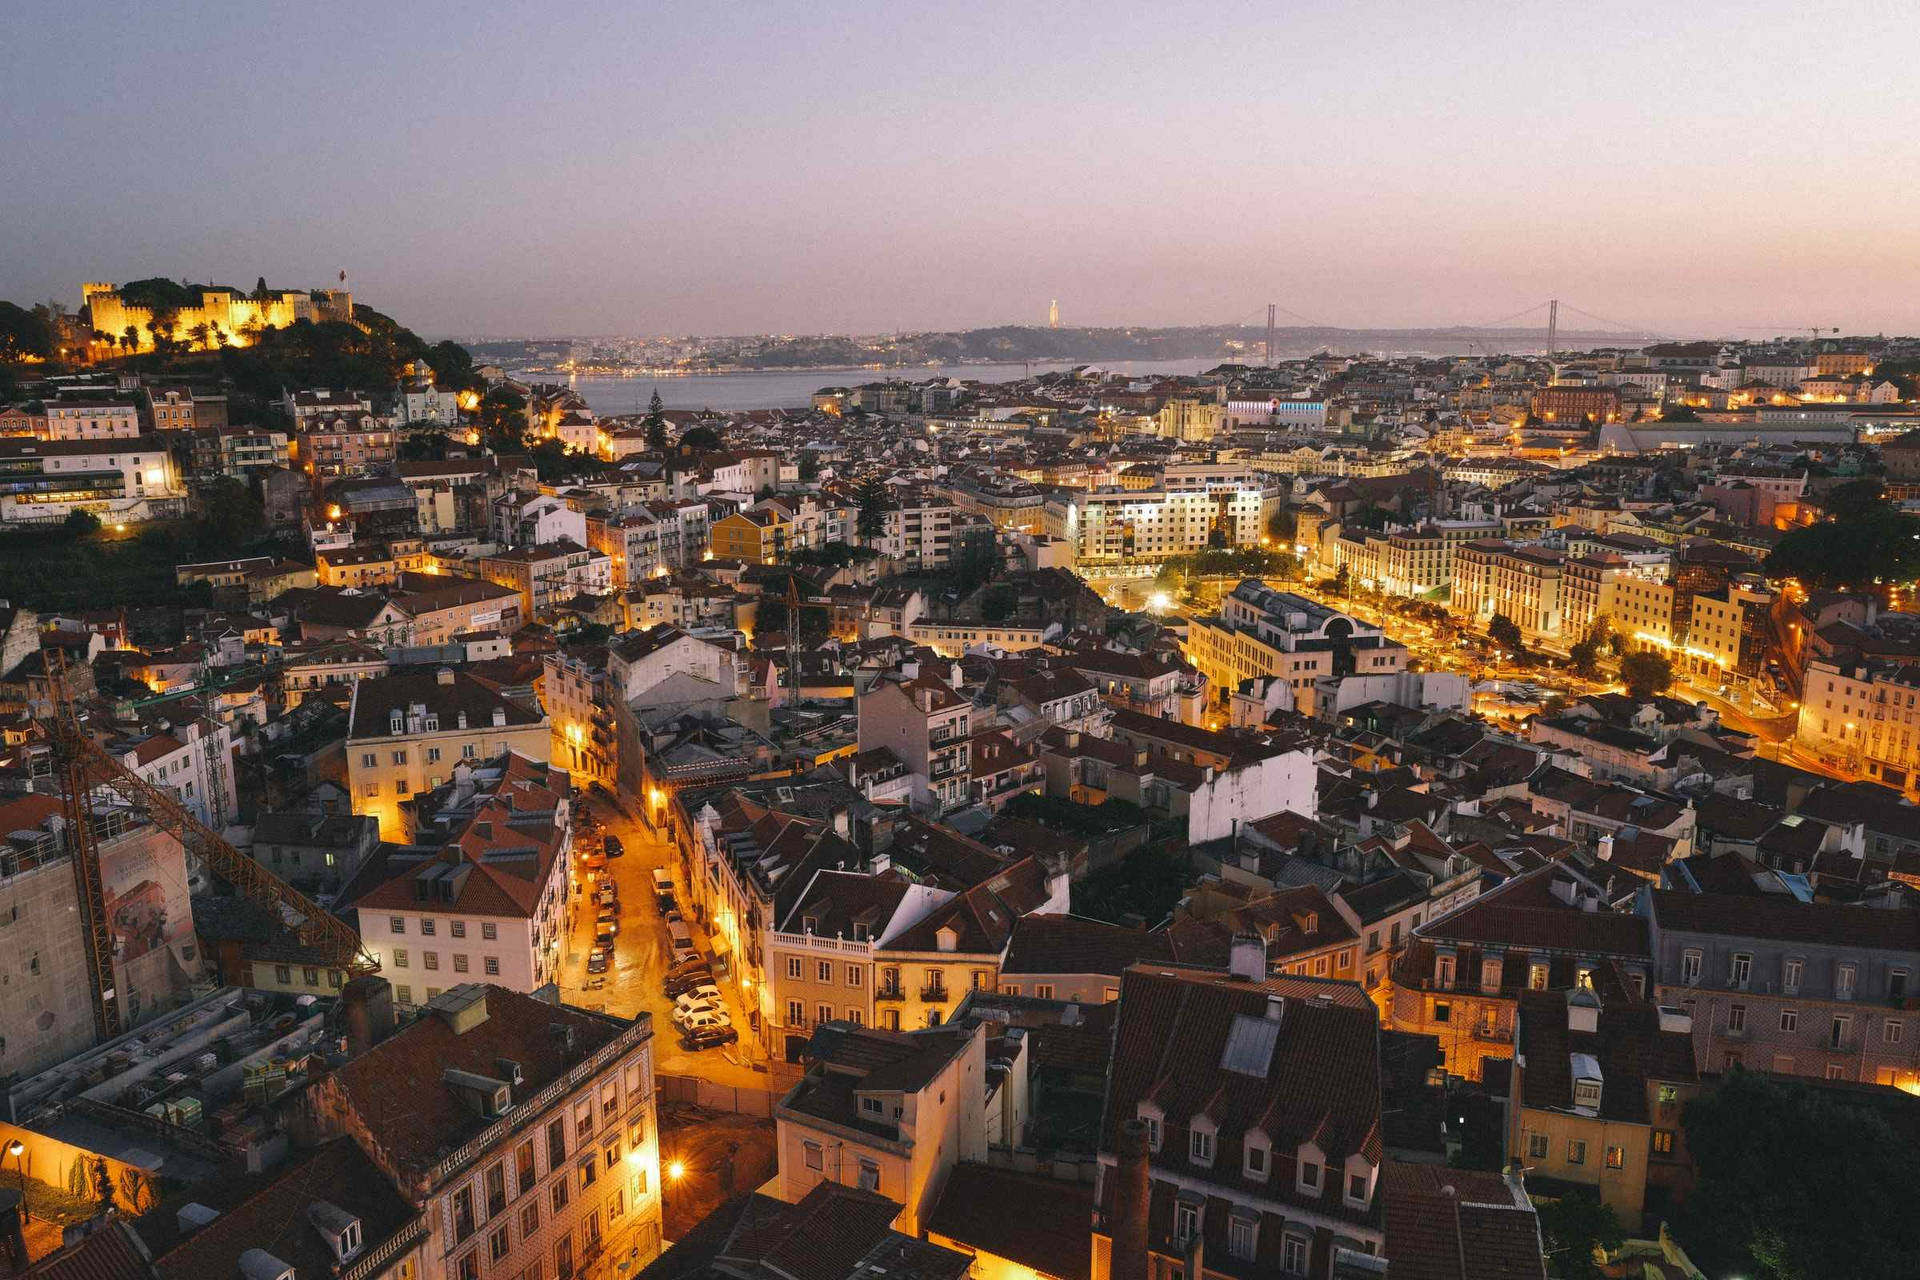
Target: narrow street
point(631, 984)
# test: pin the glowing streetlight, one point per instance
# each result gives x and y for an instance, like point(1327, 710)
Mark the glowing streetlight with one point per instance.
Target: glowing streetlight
point(676, 1170)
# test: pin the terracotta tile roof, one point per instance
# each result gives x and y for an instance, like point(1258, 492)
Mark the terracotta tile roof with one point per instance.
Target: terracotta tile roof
point(377, 698)
point(1629, 1045)
point(1044, 944)
point(1458, 1224)
point(1319, 1082)
point(1527, 912)
point(274, 1217)
point(105, 1255)
point(1293, 921)
point(1035, 1222)
point(398, 1094)
point(1783, 918)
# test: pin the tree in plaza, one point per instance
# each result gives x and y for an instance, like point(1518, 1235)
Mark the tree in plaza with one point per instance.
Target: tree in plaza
point(1795, 1183)
point(1505, 632)
point(1584, 657)
point(655, 423)
point(1646, 673)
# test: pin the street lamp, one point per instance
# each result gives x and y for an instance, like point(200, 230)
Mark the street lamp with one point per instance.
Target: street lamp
point(18, 1150)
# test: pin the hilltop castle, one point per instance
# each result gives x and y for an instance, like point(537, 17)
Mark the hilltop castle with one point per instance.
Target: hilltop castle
point(224, 310)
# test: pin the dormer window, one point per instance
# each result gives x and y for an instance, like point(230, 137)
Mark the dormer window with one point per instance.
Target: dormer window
point(1200, 1142)
point(1152, 1117)
point(1312, 1176)
point(1586, 1093)
point(1357, 1187)
point(1741, 972)
point(1257, 1157)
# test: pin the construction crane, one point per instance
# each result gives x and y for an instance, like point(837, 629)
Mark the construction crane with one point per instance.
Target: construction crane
point(1813, 331)
point(81, 764)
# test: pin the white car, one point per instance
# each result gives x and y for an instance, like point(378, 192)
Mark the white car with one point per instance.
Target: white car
point(703, 1020)
point(681, 1012)
point(694, 995)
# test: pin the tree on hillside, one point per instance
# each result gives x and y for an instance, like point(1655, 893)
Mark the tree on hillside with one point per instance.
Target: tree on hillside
point(452, 366)
point(1646, 673)
point(230, 515)
point(655, 424)
point(871, 523)
point(24, 334)
point(1860, 546)
point(1678, 413)
point(701, 439)
point(502, 420)
point(1795, 1183)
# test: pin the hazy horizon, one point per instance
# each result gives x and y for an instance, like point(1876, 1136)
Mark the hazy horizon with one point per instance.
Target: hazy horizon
point(860, 168)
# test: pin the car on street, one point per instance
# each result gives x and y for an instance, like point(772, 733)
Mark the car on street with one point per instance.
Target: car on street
point(675, 987)
point(607, 895)
point(684, 1013)
point(614, 848)
point(603, 935)
point(672, 915)
point(596, 961)
point(706, 992)
point(593, 860)
point(708, 1037)
point(703, 1021)
point(606, 920)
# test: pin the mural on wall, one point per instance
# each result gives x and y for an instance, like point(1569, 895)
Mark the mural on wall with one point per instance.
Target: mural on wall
point(150, 915)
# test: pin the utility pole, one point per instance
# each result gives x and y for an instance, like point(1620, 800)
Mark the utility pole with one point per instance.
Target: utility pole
point(1553, 326)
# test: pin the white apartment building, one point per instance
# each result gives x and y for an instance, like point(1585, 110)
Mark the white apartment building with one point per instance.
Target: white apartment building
point(925, 724)
point(92, 419)
point(1865, 718)
point(119, 479)
point(193, 762)
point(481, 892)
point(524, 1131)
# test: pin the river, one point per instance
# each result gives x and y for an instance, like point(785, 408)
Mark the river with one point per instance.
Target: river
point(783, 388)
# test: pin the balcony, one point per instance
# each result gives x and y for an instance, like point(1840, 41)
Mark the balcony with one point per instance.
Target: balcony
point(936, 994)
point(890, 991)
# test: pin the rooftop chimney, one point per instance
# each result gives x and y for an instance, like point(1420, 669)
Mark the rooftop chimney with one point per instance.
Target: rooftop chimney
point(1247, 960)
point(1127, 1218)
point(444, 675)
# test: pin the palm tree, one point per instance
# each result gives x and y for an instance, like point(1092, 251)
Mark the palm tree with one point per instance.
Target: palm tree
point(199, 334)
point(130, 338)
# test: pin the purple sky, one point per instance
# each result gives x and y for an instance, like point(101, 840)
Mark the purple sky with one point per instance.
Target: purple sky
point(702, 168)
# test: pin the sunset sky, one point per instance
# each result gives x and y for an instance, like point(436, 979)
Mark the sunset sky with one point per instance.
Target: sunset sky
point(702, 168)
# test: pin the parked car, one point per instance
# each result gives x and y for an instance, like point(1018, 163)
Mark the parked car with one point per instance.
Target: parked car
point(690, 966)
point(614, 848)
point(672, 915)
point(698, 1038)
point(607, 894)
point(684, 1014)
point(606, 921)
point(703, 1021)
point(706, 991)
point(663, 881)
point(593, 860)
point(603, 935)
point(675, 987)
point(597, 961)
